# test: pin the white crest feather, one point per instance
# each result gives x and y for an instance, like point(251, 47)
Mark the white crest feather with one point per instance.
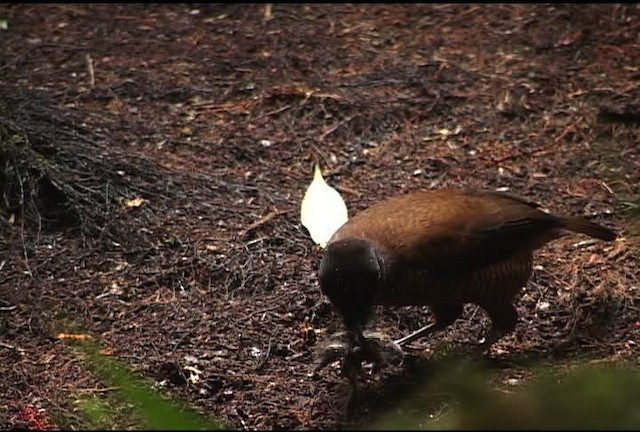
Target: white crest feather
point(323, 210)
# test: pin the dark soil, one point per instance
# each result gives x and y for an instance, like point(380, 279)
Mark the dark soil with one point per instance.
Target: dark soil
point(214, 114)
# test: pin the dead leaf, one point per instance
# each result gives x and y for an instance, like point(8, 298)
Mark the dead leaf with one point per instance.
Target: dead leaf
point(107, 351)
point(569, 39)
point(116, 106)
point(194, 374)
point(134, 202)
point(596, 259)
point(445, 133)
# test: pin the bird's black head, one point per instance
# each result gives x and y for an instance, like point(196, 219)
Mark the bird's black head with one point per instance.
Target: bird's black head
point(351, 275)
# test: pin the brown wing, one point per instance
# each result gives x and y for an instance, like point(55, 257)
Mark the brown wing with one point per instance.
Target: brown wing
point(450, 231)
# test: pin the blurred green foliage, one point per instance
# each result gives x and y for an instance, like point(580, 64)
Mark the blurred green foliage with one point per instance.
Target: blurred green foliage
point(584, 397)
point(133, 402)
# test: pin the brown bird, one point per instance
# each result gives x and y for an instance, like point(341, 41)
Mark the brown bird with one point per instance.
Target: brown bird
point(443, 249)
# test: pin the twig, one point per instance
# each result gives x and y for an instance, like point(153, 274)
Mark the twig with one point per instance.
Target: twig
point(277, 111)
point(296, 356)
point(264, 310)
point(92, 76)
point(349, 190)
point(13, 347)
point(254, 241)
point(22, 228)
point(460, 16)
point(264, 360)
point(94, 390)
point(261, 221)
point(335, 127)
point(544, 149)
point(607, 187)
point(268, 7)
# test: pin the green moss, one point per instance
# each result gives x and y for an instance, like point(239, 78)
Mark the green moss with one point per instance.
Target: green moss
point(101, 411)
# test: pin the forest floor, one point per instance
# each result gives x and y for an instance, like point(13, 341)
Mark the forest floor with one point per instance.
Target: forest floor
point(154, 158)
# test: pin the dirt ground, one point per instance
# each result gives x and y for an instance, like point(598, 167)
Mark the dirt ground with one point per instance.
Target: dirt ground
point(165, 149)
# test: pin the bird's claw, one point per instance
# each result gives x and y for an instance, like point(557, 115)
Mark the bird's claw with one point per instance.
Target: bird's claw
point(358, 354)
point(331, 353)
point(353, 354)
point(371, 350)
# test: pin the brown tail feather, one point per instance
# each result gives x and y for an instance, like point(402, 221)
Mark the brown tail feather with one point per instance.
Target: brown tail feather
point(589, 228)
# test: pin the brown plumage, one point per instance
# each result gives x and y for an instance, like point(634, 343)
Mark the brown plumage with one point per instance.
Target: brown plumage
point(443, 249)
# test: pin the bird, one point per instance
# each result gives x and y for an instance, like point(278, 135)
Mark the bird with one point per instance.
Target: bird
point(442, 249)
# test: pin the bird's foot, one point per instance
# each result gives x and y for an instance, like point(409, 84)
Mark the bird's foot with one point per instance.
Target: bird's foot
point(380, 352)
point(372, 350)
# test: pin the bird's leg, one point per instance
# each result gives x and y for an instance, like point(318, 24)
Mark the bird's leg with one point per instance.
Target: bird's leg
point(357, 351)
point(493, 336)
point(357, 336)
point(353, 392)
point(504, 317)
point(445, 314)
point(351, 365)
